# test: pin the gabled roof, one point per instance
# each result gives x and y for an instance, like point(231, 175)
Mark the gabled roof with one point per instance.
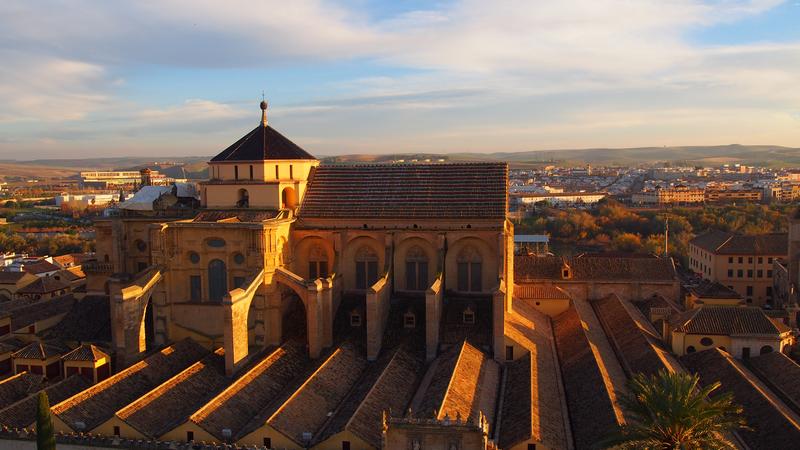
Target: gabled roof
point(260, 144)
point(30, 313)
point(17, 387)
point(43, 285)
point(38, 350)
point(714, 289)
point(781, 373)
point(724, 243)
point(588, 268)
point(40, 267)
point(727, 321)
point(8, 277)
point(23, 413)
point(409, 191)
point(540, 292)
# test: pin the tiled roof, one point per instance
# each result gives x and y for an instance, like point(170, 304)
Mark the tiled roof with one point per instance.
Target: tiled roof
point(591, 411)
point(646, 305)
point(263, 143)
point(639, 351)
point(253, 392)
point(171, 403)
point(86, 352)
point(77, 271)
point(773, 424)
point(588, 268)
point(64, 260)
point(66, 275)
point(38, 350)
point(723, 243)
point(726, 320)
point(39, 310)
point(387, 385)
point(17, 387)
point(43, 285)
point(23, 413)
point(88, 320)
point(99, 403)
point(8, 277)
point(532, 404)
point(540, 292)
point(713, 289)
point(409, 191)
point(781, 373)
point(464, 383)
point(308, 408)
point(234, 216)
point(40, 267)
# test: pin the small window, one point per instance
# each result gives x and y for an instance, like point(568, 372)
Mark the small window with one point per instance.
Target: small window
point(345, 445)
point(741, 260)
point(761, 260)
point(769, 260)
point(267, 442)
point(141, 245)
point(189, 436)
point(469, 316)
point(251, 171)
point(409, 320)
point(690, 349)
point(740, 273)
point(707, 341)
point(769, 273)
point(509, 352)
point(760, 273)
point(745, 352)
point(194, 257)
point(277, 172)
point(730, 273)
point(531, 446)
point(749, 291)
point(730, 260)
point(116, 430)
point(750, 273)
point(766, 349)
point(238, 258)
point(195, 288)
point(750, 260)
point(291, 177)
point(236, 172)
point(216, 242)
point(355, 319)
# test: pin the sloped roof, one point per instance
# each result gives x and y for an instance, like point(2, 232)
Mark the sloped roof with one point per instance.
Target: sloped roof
point(17, 387)
point(773, 425)
point(86, 352)
point(588, 268)
point(410, 191)
point(540, 292)
point(714, 289)
point(41, 309)
point(726, 320)
point(8, 277)
point(40, 267)
point(781, 373)
point(43, 285)
point(99, 403)
point(262, 143)
point(724, 243)
point(23, 413)
point(38, 350)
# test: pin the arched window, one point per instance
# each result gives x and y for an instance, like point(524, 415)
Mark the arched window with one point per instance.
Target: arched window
point(217, 280)
point(288, 198)
point(690, 349)
point(317, 263)
point(470, 270)
point(416, 269)
point(243, 199)
point(766, 349)
point(366, 267)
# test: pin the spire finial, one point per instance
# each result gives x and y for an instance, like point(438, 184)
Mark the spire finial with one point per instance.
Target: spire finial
point(263, 110)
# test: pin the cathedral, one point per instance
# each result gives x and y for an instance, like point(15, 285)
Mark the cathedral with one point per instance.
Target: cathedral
point(289, 304)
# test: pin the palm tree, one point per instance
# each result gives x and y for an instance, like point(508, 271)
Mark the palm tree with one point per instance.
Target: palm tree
point(671, 411)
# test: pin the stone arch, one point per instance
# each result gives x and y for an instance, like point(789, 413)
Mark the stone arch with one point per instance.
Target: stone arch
point(288, 198)
point(364, 255)
point(313, 249)
point(416, 264)
point(242, 198)
point(475, 261)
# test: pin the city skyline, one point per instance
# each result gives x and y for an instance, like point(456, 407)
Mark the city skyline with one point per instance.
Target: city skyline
point(182, 78)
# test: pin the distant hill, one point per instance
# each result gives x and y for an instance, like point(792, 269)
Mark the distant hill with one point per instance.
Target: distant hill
point(195, 166)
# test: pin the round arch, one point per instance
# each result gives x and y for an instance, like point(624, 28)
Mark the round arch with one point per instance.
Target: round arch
point(313, 249)
point(471, 250)
point(354, 250)
point(415, 264)
point(288, 198)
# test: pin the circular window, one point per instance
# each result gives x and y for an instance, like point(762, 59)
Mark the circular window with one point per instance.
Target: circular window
point(690, 349)
point(238, 258)
point(141, 245)
point(194, 257)
point(707, 341)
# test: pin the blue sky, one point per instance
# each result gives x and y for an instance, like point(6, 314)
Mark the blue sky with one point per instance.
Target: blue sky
point(180, 77)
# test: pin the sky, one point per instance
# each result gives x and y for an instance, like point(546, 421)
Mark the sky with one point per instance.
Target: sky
point(81, 79)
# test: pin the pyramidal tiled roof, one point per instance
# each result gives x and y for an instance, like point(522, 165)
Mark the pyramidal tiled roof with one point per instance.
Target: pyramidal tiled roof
point(262, 143)
point(37, 350)
point(86, 352)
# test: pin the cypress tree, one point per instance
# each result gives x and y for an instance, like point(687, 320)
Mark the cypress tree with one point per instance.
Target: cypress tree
point(45, 434)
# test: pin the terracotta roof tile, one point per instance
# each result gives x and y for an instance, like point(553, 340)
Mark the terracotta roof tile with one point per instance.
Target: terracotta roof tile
point(17, 387)
point(8, 277)
point(726, 320)
point(174, 400)
point(253, 392)
point(23, 413)
point(30, 313)
point(771, 427)
point(713, 289)
point(38, 350)
point(235, 216)
point(97, 404)
point(40, 267)
point(781, 373)
point(86, 352)
point(540, 292)
point(44, 285)
point(723, 243)
point(591, 411)
point(587, 268)
point(409, 191)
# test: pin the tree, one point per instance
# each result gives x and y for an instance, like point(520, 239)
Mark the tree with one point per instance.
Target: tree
point(672, 411)
point(627, 242)
point(45, 434)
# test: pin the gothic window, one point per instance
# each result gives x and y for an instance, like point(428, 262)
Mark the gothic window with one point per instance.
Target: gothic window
point(217, 280)
point(317, 263)
point(366, 267)
point(416, 269)
point(470, 270)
